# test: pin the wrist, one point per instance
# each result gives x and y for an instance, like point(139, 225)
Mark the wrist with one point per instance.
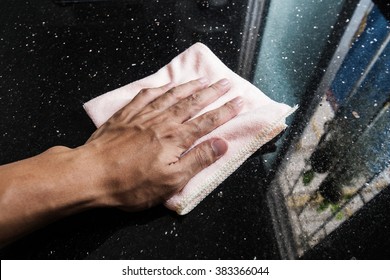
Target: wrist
point(97, 178)
point(69, 180)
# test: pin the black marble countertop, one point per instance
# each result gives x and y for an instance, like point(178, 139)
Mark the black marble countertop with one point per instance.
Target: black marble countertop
point(54, 58)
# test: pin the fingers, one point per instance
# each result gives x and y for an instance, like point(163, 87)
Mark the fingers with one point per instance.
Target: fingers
point(209, 121)
point(202, 156)
point(191, 105)
point(176, 94)
point(143, 98)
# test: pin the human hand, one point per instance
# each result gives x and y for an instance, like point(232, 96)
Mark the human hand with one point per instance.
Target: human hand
point(140, 157)
point(142, 149)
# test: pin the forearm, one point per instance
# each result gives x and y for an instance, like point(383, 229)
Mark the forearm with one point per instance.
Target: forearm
point(44, 188)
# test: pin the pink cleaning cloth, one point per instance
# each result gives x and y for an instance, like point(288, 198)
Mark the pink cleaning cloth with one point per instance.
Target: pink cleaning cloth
point(260, 119)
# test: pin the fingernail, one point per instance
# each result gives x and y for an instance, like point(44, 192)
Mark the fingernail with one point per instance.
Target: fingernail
point(219, 147)
point(223, 82)
point(238, 101)
point(203, 80)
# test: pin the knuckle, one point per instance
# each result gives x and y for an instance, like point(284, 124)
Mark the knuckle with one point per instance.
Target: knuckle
point(154, 106)
point(202, 158)
point(187, 141)
point(142, 91)
point(196, 98)
point(231, 109)
point(156, 132)
point(192, 84)
point(214, 118)
point(146, 91)
point(119, 116)
point(195, 83)
point(138, 127)
point(176, 110)
point(206, 123)
point(172, 133)
point(215, 87)
point(196, 128)
point(174, 94)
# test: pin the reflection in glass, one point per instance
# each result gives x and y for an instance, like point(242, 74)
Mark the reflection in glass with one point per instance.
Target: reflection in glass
point(342, 158)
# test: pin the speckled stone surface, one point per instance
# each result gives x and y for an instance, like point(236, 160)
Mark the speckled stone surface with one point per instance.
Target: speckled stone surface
point(53, 58)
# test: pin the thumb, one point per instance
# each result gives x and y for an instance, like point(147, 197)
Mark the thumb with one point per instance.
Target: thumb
point(202, 156)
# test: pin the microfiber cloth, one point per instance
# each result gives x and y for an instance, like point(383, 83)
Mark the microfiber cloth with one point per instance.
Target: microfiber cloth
point(260, 119)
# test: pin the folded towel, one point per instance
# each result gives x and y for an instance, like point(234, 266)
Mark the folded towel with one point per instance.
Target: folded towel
point(260, 119)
